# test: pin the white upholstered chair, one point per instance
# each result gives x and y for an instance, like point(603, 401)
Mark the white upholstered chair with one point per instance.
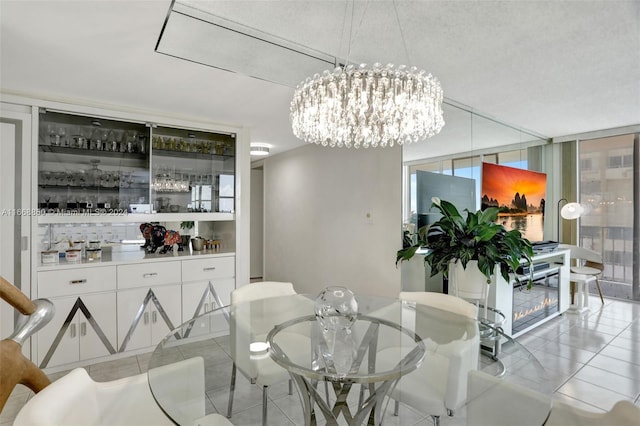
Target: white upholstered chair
point(262, 371)
point(623, 413)
point(76, 399)
point(449, 328)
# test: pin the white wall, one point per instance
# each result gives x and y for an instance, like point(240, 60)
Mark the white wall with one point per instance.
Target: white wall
point(256, 224)
point(317, 232)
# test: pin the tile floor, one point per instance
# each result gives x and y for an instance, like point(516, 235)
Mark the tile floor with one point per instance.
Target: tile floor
point(593, 360)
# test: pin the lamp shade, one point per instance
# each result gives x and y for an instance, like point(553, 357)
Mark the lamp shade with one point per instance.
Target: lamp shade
point(572, 211)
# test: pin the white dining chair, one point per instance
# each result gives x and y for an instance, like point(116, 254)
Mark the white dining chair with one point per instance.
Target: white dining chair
point(623, 413)
point(262, 371)
point(586, 266)
point(76, 399)
point(439, 385)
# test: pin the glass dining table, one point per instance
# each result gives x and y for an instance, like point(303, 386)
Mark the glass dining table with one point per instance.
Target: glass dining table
point(341, 377)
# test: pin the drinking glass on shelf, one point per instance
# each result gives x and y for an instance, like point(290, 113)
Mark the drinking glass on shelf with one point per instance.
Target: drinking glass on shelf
point(80, 179)
point(61, 178)
point(54, 138)
point(104, 138)
point(131, 142)
point(62, 135)
point(142, 144)
point(113, 179)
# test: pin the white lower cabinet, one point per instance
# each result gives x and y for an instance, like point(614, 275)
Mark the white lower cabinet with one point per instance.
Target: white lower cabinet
point(146, 315)
point(84, 327)
point(103, 310)
point(206, 284)
point(204, 296)
point(84, 324)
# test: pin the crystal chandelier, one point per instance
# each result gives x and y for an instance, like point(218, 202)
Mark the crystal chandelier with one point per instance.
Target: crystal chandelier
point(367, 106)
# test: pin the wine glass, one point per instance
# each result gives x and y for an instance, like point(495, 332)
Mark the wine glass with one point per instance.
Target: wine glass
point(62, 136)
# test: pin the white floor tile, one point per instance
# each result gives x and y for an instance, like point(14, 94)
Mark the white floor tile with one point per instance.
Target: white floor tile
point(623, 385)
point(625, 343)
point(576, 403)
point(591, 394)
point(616, 366)
point(622, 354)
point(570, 352)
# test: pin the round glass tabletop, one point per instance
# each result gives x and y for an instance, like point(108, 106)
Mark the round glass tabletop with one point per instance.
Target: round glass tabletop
point(393, 343)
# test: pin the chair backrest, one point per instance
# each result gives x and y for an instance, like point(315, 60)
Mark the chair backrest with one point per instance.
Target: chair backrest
point(261, 290)
point(449, 331)
point(70, 400)
point(581, 253)
point(596, 265)
point(469, 284)
point(623, 413)
point(442, 301)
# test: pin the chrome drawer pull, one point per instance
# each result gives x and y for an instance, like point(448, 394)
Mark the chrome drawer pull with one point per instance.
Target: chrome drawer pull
point(83, 328)
point(72, 331)
point(82, 281)
point(213, 268)
point(149, 275)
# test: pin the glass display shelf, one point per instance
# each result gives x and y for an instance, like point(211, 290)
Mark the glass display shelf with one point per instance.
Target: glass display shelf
point(86, 151)
point(138, 187)
point(193, 155)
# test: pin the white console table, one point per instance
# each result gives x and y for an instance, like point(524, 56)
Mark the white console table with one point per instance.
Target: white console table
point(416, 277)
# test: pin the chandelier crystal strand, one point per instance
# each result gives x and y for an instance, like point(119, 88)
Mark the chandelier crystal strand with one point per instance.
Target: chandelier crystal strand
point(367, 107)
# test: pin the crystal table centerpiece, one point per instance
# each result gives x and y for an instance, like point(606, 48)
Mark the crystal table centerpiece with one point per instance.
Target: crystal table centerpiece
point(336, 310)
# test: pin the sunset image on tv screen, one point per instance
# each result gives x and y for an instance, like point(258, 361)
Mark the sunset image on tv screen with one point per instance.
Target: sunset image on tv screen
point(519, 195)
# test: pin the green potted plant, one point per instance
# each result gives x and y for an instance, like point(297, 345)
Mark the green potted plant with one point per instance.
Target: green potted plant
point(476, 238)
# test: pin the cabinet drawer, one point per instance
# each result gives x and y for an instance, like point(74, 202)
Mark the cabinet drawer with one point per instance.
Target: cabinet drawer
point(211, 268)
point(70, 282)
point(148, 274)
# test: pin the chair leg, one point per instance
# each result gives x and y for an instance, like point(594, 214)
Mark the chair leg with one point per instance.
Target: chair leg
point(265, 390)
point(436, 420)
point(232, 388)
point(572, 289)
point(599, 291)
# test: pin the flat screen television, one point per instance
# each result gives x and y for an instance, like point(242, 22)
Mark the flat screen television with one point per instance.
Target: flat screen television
point(520, 196)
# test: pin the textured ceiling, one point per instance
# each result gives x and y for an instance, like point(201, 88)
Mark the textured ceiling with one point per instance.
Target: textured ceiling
point(554, 67)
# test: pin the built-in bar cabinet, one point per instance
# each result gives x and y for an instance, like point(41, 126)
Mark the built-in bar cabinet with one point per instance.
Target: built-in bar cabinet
point(98, 176)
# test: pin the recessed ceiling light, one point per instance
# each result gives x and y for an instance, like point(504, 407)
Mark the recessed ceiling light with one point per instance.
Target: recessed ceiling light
point(259, 149)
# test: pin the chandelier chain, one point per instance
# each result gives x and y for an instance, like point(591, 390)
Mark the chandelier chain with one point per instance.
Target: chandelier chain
point(404, 42)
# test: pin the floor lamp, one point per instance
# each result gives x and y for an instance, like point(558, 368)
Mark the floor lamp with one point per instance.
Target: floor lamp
point(569, 211)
